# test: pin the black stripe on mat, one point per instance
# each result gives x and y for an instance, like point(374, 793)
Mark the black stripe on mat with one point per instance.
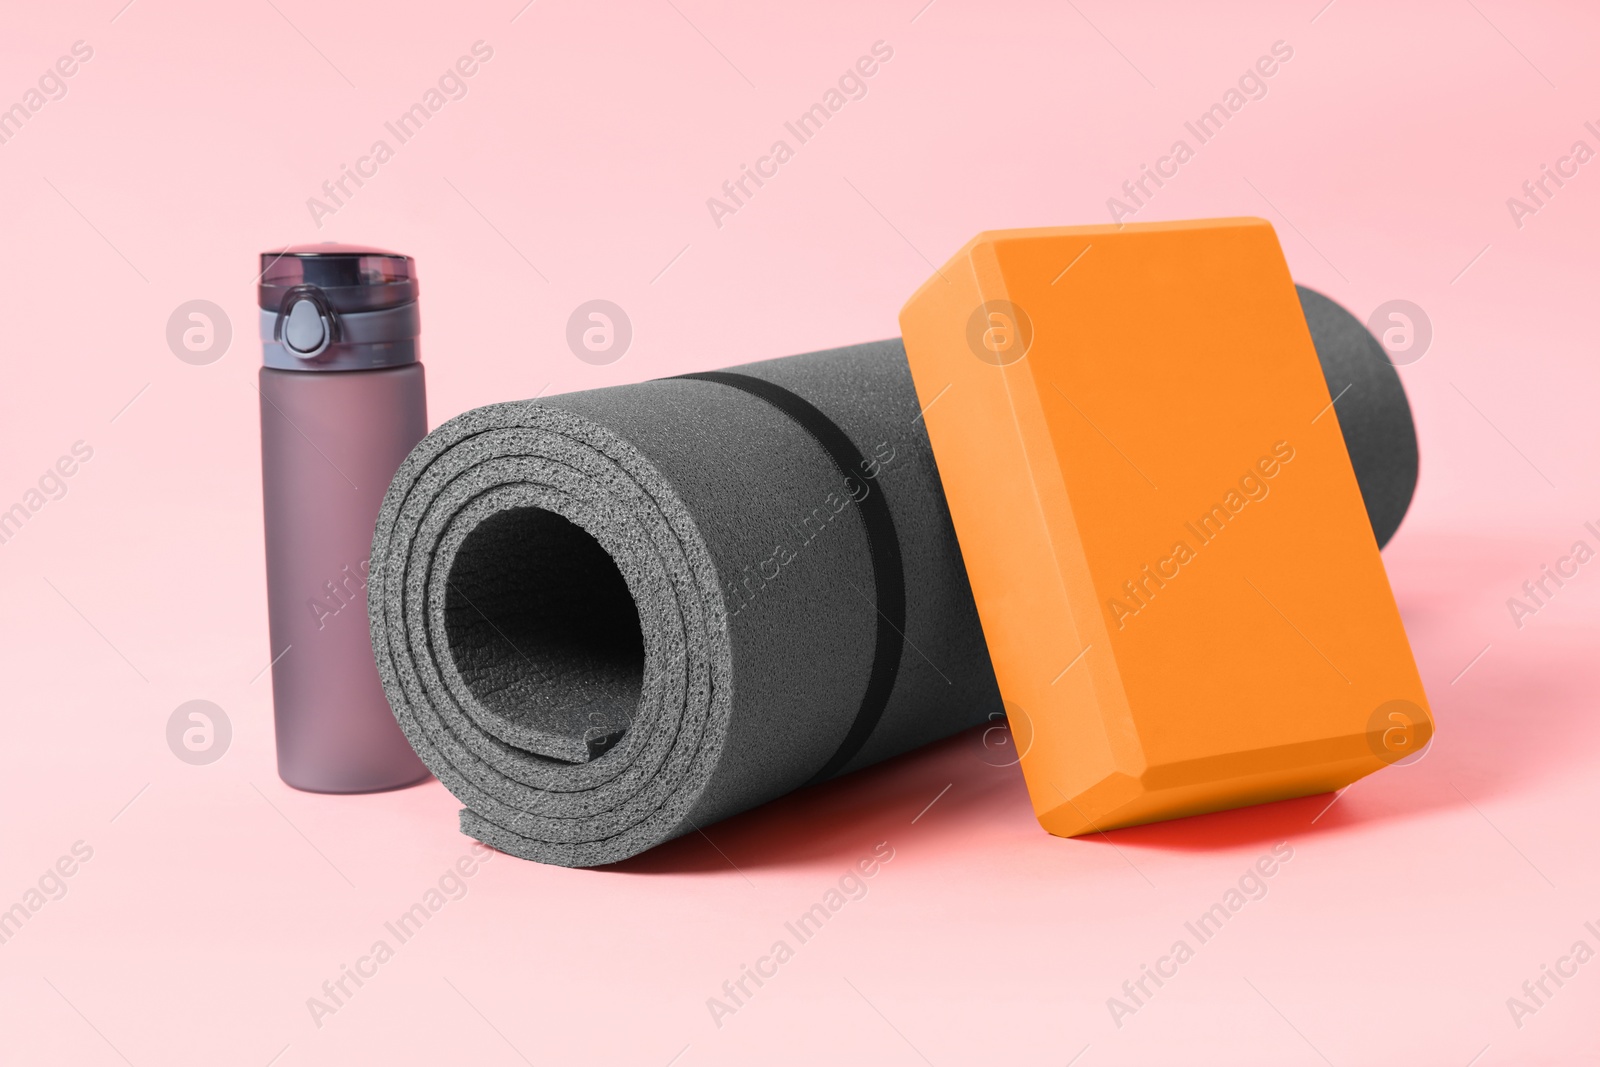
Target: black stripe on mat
point(888, 574)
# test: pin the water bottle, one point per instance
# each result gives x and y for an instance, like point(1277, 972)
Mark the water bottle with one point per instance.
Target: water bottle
point(342, 403)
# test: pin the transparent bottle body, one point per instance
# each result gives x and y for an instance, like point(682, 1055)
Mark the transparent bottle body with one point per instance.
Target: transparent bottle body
point(330, 443)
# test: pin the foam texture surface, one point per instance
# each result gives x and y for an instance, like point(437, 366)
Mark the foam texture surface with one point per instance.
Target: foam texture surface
point(607, 618)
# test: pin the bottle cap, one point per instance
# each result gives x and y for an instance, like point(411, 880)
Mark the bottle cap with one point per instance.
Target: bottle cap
point(333, 307)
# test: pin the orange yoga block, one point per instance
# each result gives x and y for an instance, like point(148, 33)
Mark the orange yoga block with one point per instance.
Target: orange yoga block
point(1176, 576)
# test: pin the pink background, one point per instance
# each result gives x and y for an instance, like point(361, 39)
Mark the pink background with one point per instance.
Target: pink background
point(217, 900)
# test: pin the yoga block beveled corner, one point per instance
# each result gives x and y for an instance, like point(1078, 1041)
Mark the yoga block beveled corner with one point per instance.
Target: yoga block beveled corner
point(1176, 576)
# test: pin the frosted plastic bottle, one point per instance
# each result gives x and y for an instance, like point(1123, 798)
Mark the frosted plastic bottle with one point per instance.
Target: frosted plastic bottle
point(342, 403)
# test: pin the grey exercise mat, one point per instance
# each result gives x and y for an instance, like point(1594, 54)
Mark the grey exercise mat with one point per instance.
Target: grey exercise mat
point(608, 618)
point(1372, 407)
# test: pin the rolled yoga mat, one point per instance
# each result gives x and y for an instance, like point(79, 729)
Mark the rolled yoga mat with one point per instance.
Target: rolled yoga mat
point(612, 617)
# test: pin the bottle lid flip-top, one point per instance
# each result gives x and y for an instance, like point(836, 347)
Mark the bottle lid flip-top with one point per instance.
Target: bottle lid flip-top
point(332, 307)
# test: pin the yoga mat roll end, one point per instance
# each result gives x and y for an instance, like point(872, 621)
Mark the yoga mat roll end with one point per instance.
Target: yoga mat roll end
point(610, 618)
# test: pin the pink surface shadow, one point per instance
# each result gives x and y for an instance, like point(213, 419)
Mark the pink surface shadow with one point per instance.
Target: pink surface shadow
point(1485, 751)
point(823, 826)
